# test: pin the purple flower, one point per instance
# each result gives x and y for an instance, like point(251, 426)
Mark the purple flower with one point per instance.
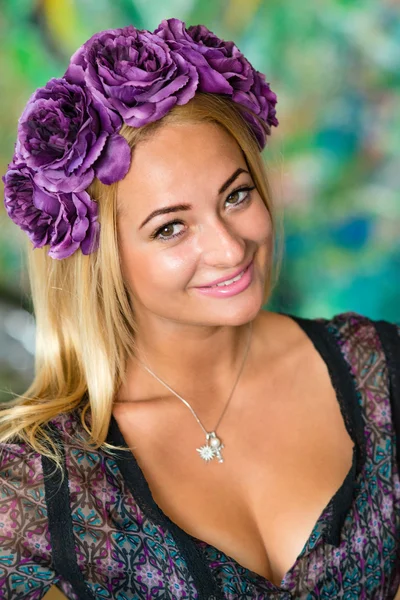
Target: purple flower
point(222, 67)
point(65, 221)
point(261, 100)
point(66, 136)
point(135, 73)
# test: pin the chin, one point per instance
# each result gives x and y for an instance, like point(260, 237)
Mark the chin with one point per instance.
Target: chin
point(233, 311)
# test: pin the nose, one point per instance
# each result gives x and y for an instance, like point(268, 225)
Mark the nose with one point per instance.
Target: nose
point(221, 245)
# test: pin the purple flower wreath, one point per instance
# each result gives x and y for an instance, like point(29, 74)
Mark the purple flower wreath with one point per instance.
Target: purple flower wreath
point(68, 132)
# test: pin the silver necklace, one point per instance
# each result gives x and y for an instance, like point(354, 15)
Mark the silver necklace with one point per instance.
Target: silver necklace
point(212, 449)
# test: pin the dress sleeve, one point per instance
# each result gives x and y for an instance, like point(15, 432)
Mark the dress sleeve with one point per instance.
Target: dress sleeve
point(26, 569)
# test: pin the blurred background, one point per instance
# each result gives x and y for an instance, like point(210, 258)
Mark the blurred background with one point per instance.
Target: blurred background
point(334, 161)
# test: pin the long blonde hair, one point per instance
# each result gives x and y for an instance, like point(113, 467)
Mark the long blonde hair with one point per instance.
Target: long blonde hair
point(85, 327)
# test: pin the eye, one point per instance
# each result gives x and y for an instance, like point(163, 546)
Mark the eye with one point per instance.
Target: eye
point(240, 196)
point(242, 193)
point(168, 227)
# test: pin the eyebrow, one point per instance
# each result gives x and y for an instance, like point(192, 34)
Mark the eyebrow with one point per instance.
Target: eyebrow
point(178, 207)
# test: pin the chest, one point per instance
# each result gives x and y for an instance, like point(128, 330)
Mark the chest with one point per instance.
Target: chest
point(286, 452)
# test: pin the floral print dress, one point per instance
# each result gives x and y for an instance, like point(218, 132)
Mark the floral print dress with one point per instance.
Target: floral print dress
point(98, 534)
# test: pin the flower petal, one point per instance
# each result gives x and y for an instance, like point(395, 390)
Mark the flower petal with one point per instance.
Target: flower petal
point(115, 160)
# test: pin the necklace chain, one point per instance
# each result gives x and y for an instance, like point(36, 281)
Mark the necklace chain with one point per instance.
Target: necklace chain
point(213, 449)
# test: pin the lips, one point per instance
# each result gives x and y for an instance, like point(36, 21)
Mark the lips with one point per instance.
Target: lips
point(222, 279)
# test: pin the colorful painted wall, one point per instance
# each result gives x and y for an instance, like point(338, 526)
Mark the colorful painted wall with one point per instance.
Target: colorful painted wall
point(334, 162)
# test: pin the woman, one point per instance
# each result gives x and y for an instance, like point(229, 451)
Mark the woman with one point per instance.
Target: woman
point(204, 447)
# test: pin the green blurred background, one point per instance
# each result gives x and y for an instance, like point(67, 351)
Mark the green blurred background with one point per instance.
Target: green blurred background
point(333, 162)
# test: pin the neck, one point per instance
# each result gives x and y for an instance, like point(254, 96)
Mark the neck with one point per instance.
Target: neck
point(195, 362)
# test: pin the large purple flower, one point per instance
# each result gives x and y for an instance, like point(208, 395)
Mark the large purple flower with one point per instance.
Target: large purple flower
point(65, 221)
point(134, 72)
point(222, 67)
point(66, 136)
point(223, 70)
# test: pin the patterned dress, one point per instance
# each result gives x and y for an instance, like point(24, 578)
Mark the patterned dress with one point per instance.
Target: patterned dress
point(98, 534)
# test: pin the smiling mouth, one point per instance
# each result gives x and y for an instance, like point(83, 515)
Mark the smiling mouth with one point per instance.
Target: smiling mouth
point(229, 281)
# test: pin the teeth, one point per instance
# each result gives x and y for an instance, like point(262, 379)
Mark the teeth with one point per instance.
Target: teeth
point(229, 281)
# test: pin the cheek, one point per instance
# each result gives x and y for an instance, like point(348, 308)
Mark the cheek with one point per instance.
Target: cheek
point(154, 270)
point(167, 270)
point(259, 223)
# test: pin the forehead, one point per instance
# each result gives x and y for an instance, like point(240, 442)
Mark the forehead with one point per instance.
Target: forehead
point(178, 158)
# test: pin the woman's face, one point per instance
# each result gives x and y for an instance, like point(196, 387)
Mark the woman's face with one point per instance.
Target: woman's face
point(215, 225)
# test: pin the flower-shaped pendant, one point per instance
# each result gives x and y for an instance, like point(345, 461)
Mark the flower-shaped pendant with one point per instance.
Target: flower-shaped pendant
point(212, 449)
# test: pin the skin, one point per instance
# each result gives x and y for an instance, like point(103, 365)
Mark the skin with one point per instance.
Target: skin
point(283, 429)
point(183, 334)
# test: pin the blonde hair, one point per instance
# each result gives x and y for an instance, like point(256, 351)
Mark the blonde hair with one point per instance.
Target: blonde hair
point(85, 327)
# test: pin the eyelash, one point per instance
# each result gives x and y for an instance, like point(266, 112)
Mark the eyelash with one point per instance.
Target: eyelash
point(156, 234)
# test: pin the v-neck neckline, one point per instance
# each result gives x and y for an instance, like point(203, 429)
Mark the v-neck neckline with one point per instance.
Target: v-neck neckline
point(329, 524)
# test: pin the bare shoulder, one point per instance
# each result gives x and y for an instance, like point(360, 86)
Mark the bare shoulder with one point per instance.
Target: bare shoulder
point(283, 348)
point(277, 336)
